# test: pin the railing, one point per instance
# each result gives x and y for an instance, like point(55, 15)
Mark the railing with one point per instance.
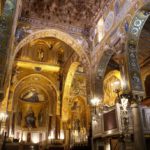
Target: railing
point(80, 146)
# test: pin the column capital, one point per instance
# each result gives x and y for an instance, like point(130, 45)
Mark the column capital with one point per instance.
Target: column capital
point(134, 105)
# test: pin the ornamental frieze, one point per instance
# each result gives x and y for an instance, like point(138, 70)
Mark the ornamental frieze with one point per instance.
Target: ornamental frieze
point(38, 23)
point(132, 50)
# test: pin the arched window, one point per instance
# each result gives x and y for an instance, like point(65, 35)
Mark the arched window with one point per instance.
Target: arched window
point(99, 31)
point(147, 86)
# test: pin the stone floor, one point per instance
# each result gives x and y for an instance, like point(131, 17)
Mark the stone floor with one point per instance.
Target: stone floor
point(18, 146)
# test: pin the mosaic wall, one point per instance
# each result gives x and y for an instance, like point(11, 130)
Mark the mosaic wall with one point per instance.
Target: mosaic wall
point(6, 21)
point(117, 18)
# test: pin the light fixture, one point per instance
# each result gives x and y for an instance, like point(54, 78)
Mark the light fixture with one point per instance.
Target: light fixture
point(96, 106)
point(116, 85)
point(35, 138)
point(62, 136)
point(51, 135)
point(3, 116)
point(95, 101)
point(124, 103)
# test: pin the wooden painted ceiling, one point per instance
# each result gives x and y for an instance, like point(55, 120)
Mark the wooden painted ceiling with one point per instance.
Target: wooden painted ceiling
point(81, 13)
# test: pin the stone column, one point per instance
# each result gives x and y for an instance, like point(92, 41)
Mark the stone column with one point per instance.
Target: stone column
point(139, 142)
point(57, 131)
point(90, 136)
point(107, 144)
point(67, 141)
point(52, 126)
point(134, 74)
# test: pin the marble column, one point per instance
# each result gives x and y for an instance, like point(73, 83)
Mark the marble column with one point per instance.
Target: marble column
point(67, 141)
point(57, 131)
point(139, 142)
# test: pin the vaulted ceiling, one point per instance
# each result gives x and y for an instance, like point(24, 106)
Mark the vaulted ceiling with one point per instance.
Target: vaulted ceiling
point(49, 50)
point(81, 13)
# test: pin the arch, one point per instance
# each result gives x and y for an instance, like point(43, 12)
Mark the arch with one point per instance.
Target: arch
point(147, 85)
point(39, 76)
point(109, 95)
point(100, 72)
point(67, 86)
point(131, 54)
point(34, 75)
point(66, 38)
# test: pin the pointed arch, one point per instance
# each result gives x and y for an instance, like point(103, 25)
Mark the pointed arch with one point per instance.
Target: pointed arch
point(52, 86)
point(133, 68)
point(67, 86)
point(66, 38)
point(100, 72)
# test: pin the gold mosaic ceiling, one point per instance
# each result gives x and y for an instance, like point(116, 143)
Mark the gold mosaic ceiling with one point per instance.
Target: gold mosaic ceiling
point(46, 51)
point(80, 13)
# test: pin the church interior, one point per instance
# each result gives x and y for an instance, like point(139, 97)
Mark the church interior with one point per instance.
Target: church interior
point(74, 74)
